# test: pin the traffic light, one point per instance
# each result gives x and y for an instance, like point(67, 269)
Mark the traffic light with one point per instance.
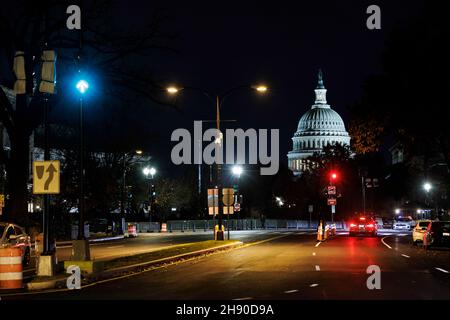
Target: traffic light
point(333, 176)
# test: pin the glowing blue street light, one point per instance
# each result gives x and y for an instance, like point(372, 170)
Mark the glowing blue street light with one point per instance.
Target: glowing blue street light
point(82, 86)
point(427, 187)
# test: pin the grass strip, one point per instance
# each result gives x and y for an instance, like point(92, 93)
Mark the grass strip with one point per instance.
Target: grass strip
point(164, 253)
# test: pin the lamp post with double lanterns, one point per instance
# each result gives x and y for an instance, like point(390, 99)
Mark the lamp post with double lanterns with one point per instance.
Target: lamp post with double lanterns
point(217, 100)
point(151, 189)
point(237, 172)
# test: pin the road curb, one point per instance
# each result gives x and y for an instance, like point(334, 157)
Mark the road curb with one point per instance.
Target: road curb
point(66, 243)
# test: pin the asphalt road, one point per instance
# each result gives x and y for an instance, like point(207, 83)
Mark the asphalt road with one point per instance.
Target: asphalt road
point(292, 266)
point(147, 242)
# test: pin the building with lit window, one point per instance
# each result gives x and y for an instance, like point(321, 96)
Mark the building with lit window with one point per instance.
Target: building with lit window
point(317, 128)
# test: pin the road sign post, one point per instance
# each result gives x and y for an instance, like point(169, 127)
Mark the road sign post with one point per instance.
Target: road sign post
point(228, 201)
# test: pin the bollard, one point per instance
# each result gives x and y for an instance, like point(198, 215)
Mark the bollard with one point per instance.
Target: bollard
point(11, 272)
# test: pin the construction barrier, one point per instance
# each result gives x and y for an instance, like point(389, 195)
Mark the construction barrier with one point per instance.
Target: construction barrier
point(163, 227)
point(11, 272)
point(216, 229)
point(132, 230)
point(333, 230)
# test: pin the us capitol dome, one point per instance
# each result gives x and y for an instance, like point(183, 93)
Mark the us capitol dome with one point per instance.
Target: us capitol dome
point(317, 128)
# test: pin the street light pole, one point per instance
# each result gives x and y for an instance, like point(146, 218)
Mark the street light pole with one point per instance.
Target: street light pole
point(46, 217)
point(81, 235)
point(219, 235)
point(81, 250)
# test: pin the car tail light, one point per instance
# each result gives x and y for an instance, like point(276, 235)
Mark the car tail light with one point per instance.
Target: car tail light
point(370, 225)
point(352, 225)
point(362, 218)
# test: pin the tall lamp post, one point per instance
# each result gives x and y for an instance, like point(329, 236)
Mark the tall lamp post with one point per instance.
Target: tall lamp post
point(237, 171)
point(123, 186)
point(151, 188)
point(427, 187)
point(218, 99)
point(81, 247)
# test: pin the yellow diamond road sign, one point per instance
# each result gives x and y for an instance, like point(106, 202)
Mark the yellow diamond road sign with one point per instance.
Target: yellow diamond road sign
point(46, 177)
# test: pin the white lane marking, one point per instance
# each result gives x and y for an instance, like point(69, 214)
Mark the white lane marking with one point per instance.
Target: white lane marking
point(406, 256)
point(382, 240)
point(112, 247)
point(317, 268)
point(442, 270)
point(314, 253)
point(318, 243)
point(313, 285)
point(245, 298)
point(291, 291)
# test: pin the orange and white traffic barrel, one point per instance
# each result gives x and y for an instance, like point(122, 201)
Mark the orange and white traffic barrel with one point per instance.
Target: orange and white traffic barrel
point(132, 232)
point(319, 232)
point(11, 272)
point(163, 227)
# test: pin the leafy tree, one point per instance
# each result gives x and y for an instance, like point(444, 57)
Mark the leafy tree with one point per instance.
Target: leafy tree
point(31, 26)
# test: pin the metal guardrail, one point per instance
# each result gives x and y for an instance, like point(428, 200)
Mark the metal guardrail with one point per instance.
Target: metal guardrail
point(233, 224)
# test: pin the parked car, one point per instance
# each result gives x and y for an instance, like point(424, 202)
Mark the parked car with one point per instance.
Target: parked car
point(403, 224)
point(419, 231)
point(102, 225)
point(437, 235)
point(379, 222)
point(12, 235)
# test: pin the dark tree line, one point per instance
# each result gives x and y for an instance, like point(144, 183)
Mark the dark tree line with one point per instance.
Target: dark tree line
point(31, 26)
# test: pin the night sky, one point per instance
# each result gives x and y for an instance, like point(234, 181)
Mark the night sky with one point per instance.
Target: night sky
point(223, 44)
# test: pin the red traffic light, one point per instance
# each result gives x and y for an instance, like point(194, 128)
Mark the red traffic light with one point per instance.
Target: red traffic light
point(333, 176)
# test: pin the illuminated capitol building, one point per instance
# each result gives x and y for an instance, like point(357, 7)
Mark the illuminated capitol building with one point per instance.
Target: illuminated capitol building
point(317, 128)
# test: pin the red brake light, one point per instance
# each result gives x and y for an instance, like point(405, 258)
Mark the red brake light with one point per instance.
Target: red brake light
point(362, 218)
point(370, 225)
point(352, 225)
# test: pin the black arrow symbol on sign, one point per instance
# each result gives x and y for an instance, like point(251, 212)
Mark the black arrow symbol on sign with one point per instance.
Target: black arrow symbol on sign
point(51, 172)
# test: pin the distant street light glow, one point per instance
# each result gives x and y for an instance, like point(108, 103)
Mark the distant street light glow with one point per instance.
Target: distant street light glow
point(152, 171)
point(261, 88)
point(237, 170)
point(427, 186)
point(172, 90)
point(397, 211)
point(82, 86)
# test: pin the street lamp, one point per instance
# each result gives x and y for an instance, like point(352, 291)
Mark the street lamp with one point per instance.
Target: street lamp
point(217, 100)
point(82, 86)
point(123, 187)
point(427, 187)
point(151, 188)
point(237, 171)
point(81, 250)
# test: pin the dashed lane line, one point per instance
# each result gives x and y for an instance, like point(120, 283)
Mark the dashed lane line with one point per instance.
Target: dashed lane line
point(406, 256)
point(317, 268)
point(318, 243)
point(291, 291)
point(245, 298)
point(313, 285)
point(314, 253)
